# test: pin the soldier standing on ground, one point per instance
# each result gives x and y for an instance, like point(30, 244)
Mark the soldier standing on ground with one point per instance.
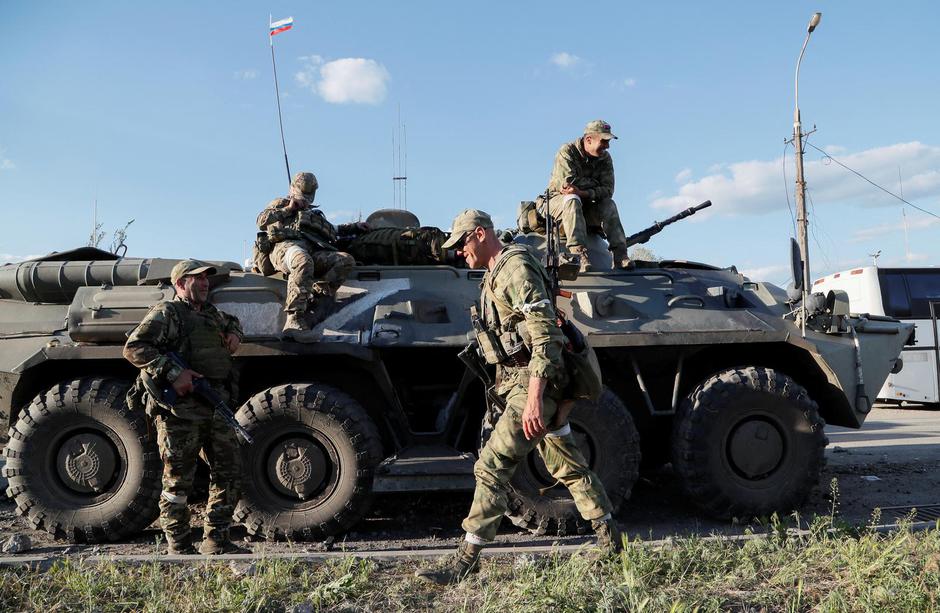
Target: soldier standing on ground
point(205, 338)
point(516, 292)
point(301, 244)
point(581, 193)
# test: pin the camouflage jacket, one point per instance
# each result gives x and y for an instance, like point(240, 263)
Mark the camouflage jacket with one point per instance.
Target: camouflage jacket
point(516, 291)
point(160, 332)
point(309, 225)
point(593, 175)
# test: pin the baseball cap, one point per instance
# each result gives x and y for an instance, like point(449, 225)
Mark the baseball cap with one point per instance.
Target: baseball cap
point(600, 128)
point(190, 267)
point(468, 221)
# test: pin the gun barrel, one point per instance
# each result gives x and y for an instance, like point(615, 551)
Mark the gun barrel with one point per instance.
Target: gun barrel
point(647, 233)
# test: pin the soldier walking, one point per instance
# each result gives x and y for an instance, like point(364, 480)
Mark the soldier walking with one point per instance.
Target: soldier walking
point(205, 338)
point(301, 244)
point(516, 304)
point(581, 193)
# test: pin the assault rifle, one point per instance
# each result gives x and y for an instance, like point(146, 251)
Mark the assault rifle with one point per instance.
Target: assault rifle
point(644, 235)
point(470, 356)
point(204, 391)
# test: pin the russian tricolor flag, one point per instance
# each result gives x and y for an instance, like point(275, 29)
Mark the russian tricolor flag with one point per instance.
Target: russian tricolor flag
point(282, 26)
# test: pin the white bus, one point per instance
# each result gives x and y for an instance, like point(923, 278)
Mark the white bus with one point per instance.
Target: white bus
point(910, 294)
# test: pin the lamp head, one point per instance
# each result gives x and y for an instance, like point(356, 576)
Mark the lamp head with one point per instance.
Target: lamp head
point(814, 22)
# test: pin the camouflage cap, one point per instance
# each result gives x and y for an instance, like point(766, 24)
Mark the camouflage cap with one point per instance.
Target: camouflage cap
point(468, 221)
point(306, 182)
point(186, 268)
point(598, 127)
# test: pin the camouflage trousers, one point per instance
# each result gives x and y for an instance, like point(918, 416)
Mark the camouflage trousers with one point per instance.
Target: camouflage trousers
point(310, 273)
point(507, 447)
point(180, 441)
point(576, 217)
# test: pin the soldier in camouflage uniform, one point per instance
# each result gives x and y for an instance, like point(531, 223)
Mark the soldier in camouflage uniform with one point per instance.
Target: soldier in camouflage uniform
point(302, 246)
point(581, 193)
point(205, 338)
point(516, 301)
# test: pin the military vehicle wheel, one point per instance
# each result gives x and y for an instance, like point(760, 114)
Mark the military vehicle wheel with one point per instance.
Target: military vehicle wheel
point(748, 442)
point(609, 442)
point(308, 474)
point(83, 466)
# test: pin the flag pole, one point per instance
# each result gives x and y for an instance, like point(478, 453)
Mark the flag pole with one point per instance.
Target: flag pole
point(277, 95)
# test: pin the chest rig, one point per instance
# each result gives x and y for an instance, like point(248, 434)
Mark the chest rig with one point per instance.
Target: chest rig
point(202, 343)
point(313, 222)
point(503, 339)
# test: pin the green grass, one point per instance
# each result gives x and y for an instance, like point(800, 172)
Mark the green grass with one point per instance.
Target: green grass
point(829, 568)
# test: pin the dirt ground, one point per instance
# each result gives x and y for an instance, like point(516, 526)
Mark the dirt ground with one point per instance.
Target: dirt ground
point(893, 461)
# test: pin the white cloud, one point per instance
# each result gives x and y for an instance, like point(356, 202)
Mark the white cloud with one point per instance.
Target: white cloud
point(756, 186)
point(342, 216)
point(5, 163)
point(9, 258)
point(565, 60)
point(772, 273)
point(629, 82)
point(347, 80)
point(876, 231)
point(246, 75)
point(683, 175)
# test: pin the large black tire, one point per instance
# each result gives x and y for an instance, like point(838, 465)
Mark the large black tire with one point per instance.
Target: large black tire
point(81, 465)
point(611, 445)
point(308, 474)
point(748, 442)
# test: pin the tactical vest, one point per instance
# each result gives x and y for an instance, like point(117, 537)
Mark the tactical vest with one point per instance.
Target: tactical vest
point(313, 222)
point(502, 339)
point(203, 344)
point(399, 246)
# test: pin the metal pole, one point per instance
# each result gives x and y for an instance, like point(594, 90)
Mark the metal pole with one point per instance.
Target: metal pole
point(801, 216)
point(277, 95)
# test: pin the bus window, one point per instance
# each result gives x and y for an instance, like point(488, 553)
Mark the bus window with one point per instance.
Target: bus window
point(894, 294)
point(924, 288)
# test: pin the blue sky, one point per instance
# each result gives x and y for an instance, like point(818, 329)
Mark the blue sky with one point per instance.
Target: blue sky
point(165, 113)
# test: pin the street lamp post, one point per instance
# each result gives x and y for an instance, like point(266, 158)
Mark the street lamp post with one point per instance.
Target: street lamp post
point(801, 217)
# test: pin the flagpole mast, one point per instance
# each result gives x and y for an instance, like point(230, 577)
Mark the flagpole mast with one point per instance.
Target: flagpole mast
point(277, 95)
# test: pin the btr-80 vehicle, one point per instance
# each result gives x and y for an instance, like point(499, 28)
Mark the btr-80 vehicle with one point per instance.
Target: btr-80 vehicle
point(703, 367)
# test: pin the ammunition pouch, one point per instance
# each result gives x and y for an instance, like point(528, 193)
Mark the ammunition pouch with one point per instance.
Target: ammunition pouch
point(261, 262)
point(530, 217)
point(506, 348)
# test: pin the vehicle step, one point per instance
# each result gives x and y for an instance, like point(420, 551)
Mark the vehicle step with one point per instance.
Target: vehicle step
point(425, 468)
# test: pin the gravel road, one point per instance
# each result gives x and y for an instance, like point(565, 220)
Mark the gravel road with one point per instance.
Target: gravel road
point(893, 461)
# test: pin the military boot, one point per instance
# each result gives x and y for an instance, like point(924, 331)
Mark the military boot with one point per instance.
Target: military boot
point(321, 309)
point(579, 255)
point(621, 257)
point(296, 323)
point(608, 535)
point(214, 547)
point(180, 547)
point(464, 562)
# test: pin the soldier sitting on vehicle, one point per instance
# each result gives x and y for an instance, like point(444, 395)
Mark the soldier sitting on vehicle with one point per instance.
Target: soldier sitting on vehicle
point(296, 239)
point(205, 339)
point(581, 192)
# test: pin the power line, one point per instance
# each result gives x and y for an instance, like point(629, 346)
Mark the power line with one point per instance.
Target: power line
point(889, 192)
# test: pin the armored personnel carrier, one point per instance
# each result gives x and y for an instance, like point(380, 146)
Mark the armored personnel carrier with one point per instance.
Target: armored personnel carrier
point(704, 368)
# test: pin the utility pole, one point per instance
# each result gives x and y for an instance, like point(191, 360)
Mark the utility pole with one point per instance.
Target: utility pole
point(801, 217)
